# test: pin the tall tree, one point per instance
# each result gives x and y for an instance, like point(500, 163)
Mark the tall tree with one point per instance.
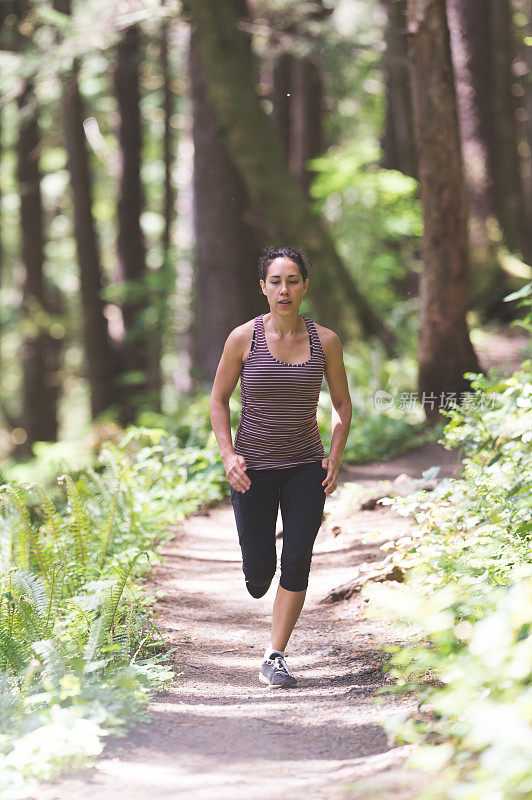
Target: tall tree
point(296, 89)
point(527, 89)
point(101, 357)
point(39, 351)
point(469, 26)
point(445, 351)
point(281, 92)
point(166, 273)
point(227, 250)
point(306, 129)
point(503, 144)
point(131, 247)
point(306, 136)
point(278, 202)
point(398, 143)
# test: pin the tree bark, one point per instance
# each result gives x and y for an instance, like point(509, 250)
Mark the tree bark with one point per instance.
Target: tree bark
point(281, 97)
point(278, 204)
point(469, 26)
point(445, 350)
point(398, 142)
point(166, 274)
point(503, 149)
point(131, 248)
point(101, 364)
point(227, 290)
point(527, 88)
point(306, 138)
point(39, 351)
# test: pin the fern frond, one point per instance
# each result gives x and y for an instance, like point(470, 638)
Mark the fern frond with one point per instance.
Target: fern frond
point(52, 656)
point(30, 537)
point(100, 494)
point(52, 517)
point(109, 525)
point(103, 624)
point(111, 457)
point(14, 652)
point(31, 586)
point(11, 703)
point(79, 522)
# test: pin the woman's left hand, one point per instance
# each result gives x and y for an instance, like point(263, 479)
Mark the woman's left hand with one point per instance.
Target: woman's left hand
point(331, 480)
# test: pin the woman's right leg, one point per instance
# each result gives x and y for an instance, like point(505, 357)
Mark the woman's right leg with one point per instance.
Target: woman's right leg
point(256, 516)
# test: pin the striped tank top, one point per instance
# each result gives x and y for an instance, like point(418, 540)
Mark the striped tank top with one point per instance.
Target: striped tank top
point(278, 425)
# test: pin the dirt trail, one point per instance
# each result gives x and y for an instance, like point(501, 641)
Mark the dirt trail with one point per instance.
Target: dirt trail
point(220, 733)
point(218, 730)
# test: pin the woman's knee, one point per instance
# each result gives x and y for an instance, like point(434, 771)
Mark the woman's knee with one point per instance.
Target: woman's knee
point(295, 572)
point(259, 572)
point(294, 582)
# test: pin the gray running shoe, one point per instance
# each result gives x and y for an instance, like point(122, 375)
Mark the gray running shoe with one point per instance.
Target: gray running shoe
point(275, 672)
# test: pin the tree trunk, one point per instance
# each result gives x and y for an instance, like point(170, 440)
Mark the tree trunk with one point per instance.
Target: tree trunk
point(503, 151)
point(100, 357)
point(306, 122)
point(277, 201)
point(527, 88)
point(398, 143)
point(227, 290)
point(469, 27)
point(39, 351)
point(131, 248)
point(445, 350)
point(166, 274)
point(281, 97)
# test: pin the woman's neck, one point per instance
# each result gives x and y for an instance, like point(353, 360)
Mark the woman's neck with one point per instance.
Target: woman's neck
point(284, 325)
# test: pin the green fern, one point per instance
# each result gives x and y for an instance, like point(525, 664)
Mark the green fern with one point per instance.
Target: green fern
point(79, 523)
point(31, 599)
point(29, 538)
point(55, 594)
point(52, 656)
point(53, 519)
point(15, 653)
point(103, 624)
point(113, 459)
point(109, 525)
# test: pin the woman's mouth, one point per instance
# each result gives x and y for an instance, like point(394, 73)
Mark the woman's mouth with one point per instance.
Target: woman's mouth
point(285, 302)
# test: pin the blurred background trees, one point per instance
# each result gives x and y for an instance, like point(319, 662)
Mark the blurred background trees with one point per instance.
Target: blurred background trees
point(149, 151)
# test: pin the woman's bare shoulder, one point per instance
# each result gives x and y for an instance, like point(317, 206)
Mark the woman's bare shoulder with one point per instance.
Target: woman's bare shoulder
point(239, 339)
point(241, 332)
point(328, 338)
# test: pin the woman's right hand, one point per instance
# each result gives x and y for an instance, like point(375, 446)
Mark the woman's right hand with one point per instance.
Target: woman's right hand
point(235, 467)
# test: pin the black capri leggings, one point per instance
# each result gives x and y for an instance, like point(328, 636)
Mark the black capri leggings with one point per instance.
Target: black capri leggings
point(302, 497)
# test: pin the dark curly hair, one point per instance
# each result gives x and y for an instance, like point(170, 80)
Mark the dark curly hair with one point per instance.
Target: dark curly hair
point(271, 253)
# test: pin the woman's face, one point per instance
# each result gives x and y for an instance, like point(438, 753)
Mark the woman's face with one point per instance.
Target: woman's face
point(284, 286)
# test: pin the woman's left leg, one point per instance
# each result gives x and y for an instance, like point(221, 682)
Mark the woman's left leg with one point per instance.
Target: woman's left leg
point(286, 610)
point(302, 500)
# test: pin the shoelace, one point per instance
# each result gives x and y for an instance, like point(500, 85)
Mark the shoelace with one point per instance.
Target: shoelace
point(280, 664)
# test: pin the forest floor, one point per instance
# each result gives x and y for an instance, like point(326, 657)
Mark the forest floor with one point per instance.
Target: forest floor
point(219, 733)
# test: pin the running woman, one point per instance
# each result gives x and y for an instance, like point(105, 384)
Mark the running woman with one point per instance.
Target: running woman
point(278, 456)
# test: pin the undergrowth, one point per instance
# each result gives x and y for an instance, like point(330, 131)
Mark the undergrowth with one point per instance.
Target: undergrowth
point(465, 606)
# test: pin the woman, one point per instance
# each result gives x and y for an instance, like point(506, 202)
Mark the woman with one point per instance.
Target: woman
point(278, 456)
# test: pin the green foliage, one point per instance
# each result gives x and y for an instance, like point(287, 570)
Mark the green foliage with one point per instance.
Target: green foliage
point(376, 433)
point(78, 645)
point(466, 604)
point(375, 217)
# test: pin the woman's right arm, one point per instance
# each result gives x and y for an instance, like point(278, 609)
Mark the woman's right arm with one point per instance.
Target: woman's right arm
point(224, 384)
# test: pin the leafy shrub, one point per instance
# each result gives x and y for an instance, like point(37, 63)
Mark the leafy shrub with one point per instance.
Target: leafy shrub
point(466, 604)
point(78, 646)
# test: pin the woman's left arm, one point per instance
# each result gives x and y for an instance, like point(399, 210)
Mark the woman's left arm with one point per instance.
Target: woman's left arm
point(341, 407)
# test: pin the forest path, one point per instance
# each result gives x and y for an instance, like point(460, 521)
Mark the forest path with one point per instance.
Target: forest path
point(218, 732)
